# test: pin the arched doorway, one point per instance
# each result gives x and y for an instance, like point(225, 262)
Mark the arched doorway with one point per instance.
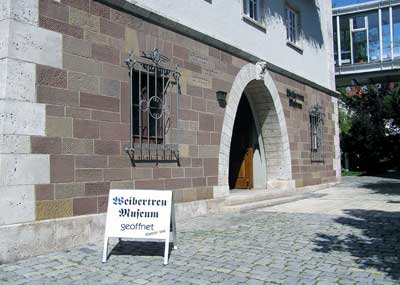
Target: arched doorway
point(243, 145)
point(257, 84)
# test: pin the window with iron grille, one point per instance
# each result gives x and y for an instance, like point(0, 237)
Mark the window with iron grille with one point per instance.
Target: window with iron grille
point(292, 25)
point(144, 88)
point(316, 131)
point(154, 105)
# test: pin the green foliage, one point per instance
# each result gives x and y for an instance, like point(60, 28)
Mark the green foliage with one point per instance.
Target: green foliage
point(344, 122)
point(371, 142)
point(351, 173)
point(391, 106)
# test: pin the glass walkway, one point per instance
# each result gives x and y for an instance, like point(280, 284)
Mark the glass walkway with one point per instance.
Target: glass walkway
point(367, 42)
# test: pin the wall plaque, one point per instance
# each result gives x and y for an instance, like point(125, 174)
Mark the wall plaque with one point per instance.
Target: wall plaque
point(295, 100)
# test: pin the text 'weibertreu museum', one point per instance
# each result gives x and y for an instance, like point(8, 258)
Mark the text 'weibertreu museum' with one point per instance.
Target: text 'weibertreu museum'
point(201, 97)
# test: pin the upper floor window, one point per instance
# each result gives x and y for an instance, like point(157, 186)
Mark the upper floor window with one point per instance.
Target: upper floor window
point(292, 25)
point(251, 9)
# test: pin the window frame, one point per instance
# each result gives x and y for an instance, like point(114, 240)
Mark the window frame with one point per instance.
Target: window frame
point(256, 20)
point(353, 32)
point(316, 134)
point(293, 40)
point(147, 121)
point(143, 146)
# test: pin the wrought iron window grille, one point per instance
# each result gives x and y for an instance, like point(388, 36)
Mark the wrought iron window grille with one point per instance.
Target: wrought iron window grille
point(317, 133)
point(154, 109)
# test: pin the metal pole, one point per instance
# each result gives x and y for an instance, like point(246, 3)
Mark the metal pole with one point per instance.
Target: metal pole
point(140, 111)
point(148, 111)
point(391, 32)
point(163, 113)
point(338, 40)
point(131, 104)
point(351, 41)
point(177, 111)
point(380, 36)
point(367, 34)
point(156, 126)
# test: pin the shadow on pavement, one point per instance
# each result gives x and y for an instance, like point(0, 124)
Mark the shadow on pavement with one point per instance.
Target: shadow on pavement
point(383, 187)
point(376, 247)
point(387, 174)
point(137, 248)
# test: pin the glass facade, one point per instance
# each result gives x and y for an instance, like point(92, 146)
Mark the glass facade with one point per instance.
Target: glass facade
point(396, 31)
point(367, 37)
point(386, 49)
point(373, 37)
point(360, 47)
point(345, 40)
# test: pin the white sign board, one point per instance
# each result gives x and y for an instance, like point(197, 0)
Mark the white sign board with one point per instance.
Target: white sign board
point(140, 214)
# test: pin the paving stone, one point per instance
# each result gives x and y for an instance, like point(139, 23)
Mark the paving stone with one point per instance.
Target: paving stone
point(260, 247)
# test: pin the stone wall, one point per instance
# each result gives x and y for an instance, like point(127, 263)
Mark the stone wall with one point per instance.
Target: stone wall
point(87, 113)
point(22, 45)
point(64, 122)
point(77, 125)
point(305, 172)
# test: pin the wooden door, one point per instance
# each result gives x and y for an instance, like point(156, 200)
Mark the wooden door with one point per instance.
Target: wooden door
point(244, 179)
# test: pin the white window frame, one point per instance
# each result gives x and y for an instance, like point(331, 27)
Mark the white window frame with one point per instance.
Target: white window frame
point(354, 30)
point(255, 6)
point(292, 25)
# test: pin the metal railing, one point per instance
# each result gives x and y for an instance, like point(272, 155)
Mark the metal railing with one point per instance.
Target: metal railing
point(154, 109)
point(317, 133)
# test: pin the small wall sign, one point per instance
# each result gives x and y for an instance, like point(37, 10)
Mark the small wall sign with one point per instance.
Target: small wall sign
point(140, 214)
point(295, 100)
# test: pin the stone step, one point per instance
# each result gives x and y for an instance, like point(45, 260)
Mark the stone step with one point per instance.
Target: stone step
point(261, 204)
point(238, 197)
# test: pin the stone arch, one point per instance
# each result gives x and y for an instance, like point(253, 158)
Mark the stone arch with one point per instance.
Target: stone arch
point(258, 84)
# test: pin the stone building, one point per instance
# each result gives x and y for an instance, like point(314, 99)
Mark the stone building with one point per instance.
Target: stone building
point(225, 95)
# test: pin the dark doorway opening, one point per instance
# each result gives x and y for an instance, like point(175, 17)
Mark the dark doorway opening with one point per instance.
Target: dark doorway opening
point(242, 148)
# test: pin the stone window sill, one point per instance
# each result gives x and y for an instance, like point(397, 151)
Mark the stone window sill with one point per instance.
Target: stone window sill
point(257, 24)
point(294, 46)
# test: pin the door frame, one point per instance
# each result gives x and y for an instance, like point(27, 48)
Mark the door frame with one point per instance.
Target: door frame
point(281, 179)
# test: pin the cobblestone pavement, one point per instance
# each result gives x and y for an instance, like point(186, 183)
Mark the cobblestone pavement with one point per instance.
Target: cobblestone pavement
point(285, 244)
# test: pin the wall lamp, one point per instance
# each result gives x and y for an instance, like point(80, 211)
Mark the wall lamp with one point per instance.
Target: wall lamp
point(221, 98)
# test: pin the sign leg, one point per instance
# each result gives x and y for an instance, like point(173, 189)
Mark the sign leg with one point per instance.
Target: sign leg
point(174, 226)
point(166, 251)
point(105, 250)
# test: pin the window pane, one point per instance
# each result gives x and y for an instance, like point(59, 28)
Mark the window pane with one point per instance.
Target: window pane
point(386, 34)
point(245, 7)
point(396, 31)
point(255, 10)
point(360, 47)
point(287, 24)
point(345, 39)
point(291, 25)
point(373, 37)
point(140, 91)
point(359, 22)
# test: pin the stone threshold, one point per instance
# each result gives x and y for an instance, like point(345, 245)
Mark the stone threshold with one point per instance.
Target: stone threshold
point(247, 200)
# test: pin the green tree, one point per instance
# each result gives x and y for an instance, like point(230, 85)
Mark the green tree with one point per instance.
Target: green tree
point(392, 107)
point(344, 122)
point(366, 133)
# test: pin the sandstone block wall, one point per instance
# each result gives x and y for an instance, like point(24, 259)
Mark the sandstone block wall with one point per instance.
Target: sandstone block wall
point(81, 93)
